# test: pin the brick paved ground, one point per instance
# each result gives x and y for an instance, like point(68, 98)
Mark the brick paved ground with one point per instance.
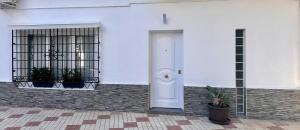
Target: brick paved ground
point(55, 119)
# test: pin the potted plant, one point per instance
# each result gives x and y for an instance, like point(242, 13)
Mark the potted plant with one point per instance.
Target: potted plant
point(41, 77)
point(218, 106)
point(72, 79)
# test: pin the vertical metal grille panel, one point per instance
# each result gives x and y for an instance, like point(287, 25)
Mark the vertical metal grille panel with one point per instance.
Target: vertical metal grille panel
point(56, 49)
point(240, 73)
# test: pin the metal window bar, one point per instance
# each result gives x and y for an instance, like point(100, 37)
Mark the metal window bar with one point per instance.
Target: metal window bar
point(240, 72)
point(56, 50)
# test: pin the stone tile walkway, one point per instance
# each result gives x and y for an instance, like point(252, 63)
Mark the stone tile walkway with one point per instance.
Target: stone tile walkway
point(55, 119)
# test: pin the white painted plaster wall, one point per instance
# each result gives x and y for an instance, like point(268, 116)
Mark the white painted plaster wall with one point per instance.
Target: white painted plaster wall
point(209, 49)
point(5, 48)
point(34, 4)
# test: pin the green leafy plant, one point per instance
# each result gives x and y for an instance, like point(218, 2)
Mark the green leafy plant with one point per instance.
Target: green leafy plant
point(41, 75)
point(217, 97)
point(72, 75)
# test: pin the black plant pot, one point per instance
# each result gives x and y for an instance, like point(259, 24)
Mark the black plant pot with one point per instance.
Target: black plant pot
point(219, 115)
point(73, 84)
point(43, 84)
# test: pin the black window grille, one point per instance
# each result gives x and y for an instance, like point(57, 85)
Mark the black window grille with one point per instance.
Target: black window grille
point(58, 50)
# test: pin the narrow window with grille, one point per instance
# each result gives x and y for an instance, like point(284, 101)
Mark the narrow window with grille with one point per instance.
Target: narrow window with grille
point(240, 73)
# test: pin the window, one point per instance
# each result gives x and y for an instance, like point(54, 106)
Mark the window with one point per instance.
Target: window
point(58, 50)
point(240, 73)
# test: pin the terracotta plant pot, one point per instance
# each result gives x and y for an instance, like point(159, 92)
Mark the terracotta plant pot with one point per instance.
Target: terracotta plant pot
point(218, 115)
point(44, 84)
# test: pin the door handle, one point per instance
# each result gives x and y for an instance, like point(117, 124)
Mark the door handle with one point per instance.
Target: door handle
point(179, 71)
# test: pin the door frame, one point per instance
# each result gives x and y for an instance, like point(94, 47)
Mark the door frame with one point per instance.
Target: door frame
point(181, 102)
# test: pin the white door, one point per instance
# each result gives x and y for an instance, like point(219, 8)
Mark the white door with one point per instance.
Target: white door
point(166, 89)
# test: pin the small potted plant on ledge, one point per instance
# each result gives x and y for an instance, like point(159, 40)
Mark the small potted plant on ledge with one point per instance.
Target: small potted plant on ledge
point(218, 106)
point(41, 77)
point(72, 79)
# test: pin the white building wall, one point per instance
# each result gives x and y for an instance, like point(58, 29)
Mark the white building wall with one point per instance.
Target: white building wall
point(209, 44)
point(5, 48)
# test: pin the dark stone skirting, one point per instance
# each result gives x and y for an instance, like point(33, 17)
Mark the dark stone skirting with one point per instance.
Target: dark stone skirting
point(261, 103)
point(273, 104)
point(195, 101)
point(128, 98)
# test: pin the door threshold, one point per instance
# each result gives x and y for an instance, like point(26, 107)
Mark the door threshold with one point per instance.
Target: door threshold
point(166, 111)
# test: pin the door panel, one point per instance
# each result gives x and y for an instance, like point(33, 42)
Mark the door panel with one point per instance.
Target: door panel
point(166, 86)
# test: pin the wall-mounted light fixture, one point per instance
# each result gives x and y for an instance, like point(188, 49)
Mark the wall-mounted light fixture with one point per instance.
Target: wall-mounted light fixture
point(165, 20)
